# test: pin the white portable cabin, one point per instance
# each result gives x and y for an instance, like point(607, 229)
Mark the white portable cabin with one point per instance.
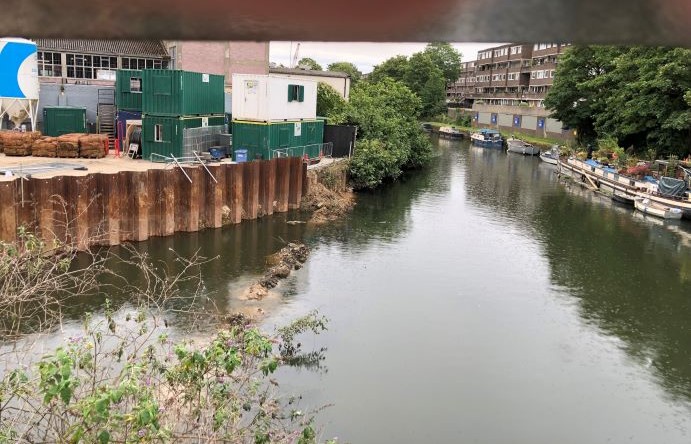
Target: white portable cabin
point(273, 98)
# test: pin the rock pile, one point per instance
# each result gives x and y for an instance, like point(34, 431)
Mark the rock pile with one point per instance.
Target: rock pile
point(282, 264)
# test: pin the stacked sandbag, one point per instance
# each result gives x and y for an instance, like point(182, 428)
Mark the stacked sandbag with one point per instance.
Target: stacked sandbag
point(93, 146)
point(45, 147)
point(14, 143)
point(68, 145)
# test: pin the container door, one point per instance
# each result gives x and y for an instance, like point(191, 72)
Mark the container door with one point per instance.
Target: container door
point(251, 99)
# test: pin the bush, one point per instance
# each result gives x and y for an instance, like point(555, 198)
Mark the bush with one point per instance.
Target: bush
point(386, 114)
point(372, 163)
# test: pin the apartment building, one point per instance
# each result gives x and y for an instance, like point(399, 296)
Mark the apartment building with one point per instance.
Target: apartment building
point(507, 75)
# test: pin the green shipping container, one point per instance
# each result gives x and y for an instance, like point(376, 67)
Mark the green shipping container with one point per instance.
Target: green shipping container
point(59, 120)
point(164, 135)
point(261, 140)
point(182, 93)
point(128, 90)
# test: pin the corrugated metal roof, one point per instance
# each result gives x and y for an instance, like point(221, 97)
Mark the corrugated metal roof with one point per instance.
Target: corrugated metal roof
point(142, 48)
point(307, 72)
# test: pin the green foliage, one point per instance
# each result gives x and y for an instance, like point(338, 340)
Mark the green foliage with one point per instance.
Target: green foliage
point(446, 58)
point(161, 391)
point(394, 68)
point(372, 163)
point(425, 73)
point(426, 80)
point(309, 63)
point(348, 68)
point(638, 95)
point(330, 104)
point(464, 120)
point(390, 137)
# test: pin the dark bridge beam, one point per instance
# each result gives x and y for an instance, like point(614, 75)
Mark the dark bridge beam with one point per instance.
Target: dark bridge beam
point(614, 21)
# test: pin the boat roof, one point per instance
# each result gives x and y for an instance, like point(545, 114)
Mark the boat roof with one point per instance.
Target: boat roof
point(488, 131)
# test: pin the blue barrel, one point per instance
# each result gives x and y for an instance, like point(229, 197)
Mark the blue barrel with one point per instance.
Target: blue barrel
point(241, 156)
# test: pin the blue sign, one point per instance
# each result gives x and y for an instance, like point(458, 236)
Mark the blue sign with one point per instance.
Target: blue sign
point(541, 122)
point(517, 121)
point(477, 116)
point(494, 118)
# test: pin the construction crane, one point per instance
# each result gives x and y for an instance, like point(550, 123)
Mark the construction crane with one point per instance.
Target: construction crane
point(294, 62)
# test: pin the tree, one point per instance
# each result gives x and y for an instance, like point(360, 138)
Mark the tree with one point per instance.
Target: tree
point(577, 94)
point(446, 58)
point(309, 63)
point(426, 80)
point(645, 103)
point(347, 68)
point(394, 68)
point(386, 114)
point(637, 95)
point(329, 101)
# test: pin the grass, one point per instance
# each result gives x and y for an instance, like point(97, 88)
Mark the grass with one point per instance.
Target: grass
point(538, 141)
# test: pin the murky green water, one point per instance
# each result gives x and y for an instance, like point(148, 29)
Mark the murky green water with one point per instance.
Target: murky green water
point(480, 301)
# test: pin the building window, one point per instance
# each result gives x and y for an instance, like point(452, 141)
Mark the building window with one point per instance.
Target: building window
point(551, 74)
point(515, 50)
point(49, 64)
point(158, 133)
point(138, 63)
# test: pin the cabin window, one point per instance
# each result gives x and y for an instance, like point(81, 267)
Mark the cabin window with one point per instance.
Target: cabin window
point(135, 84)
point(296, 93)
point(158, 133)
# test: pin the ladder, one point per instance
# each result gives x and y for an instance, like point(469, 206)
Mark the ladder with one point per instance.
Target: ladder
point(106, 115)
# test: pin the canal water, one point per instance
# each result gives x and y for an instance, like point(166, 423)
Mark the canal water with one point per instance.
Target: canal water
point(478, 301)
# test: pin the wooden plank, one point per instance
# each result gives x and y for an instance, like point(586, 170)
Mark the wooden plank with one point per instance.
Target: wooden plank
point(167, 204)
point(77, 204)
point(213, 197)
point(108, 186)
point(234, 183)
point(305, 181)
point(94, 212)
point(43, 189)
point(8, 213)
point(154, 180)
point(251, 190)
point(140, 205)
point(127, 210)
point(26, 206)
point(267, 187)
point(195, 197)
point(60, 209)
point(282, 184)
point(182, 196)
point(295, 191)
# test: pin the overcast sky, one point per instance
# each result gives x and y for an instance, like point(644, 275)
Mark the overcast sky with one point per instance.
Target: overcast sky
point(363, 55)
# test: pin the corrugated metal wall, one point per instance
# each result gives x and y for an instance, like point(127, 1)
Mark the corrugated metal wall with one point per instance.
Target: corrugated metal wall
point(261, 139)
point(182, 93)
point(484, 118)
point(125, 98)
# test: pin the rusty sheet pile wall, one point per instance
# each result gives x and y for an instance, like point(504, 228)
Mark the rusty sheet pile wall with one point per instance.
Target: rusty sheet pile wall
point(108, 209)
